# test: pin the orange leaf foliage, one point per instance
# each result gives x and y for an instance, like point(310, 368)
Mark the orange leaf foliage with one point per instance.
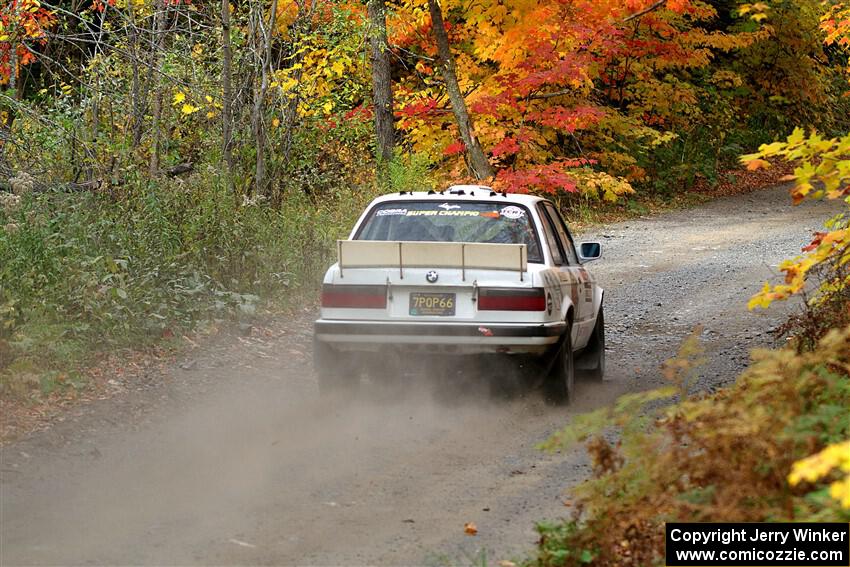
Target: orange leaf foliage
point(23, 27)
point(540, 74)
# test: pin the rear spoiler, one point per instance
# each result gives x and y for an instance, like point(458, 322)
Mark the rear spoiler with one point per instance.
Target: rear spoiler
point(401, 255)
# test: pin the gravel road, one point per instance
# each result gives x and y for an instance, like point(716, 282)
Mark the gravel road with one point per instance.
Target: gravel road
point(230, 457)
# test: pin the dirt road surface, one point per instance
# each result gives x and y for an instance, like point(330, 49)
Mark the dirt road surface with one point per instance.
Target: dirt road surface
point(231, 458)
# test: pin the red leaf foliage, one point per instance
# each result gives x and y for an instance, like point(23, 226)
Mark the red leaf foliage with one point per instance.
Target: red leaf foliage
point(548, 178)
point(424, 107)
point(569, 119)
point(454, 148)
point(506, 147)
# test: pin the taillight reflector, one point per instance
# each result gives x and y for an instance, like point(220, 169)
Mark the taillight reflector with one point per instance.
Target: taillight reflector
point(354, 296)
point(495, 299)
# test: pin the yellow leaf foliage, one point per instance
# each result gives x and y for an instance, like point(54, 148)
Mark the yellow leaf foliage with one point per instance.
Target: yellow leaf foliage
point(820, 465)
point(823, 172)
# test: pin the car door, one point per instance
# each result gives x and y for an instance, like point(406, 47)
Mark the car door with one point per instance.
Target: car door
point(576, 281)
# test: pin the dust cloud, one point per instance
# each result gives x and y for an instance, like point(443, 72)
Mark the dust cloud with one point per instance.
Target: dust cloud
point(257, 469)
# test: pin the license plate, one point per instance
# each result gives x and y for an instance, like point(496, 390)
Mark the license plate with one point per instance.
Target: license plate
point(433, 304)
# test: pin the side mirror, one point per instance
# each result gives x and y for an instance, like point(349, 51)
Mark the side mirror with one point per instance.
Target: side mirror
point(589, 251)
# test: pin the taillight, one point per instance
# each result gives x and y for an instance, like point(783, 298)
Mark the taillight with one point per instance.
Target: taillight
point(495, 299)
point(354, 296)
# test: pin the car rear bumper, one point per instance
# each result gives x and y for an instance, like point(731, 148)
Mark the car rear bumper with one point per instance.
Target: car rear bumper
point(458, 338)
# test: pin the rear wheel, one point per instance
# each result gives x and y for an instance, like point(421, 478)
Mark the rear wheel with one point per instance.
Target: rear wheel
point(560, 381)
point(592, 361)
point(334, 371)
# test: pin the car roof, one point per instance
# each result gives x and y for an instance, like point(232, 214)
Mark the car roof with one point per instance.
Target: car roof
point(461, 192)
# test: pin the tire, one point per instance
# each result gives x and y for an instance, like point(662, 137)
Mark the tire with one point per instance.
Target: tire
point(592, 361)
point(334, 373)
point(559, 384)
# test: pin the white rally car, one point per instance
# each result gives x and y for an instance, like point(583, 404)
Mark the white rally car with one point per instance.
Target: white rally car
point(465, 271)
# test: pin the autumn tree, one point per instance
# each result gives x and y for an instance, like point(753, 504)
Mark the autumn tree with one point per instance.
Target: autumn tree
point(382, 94)
point(579, 96)
point(478, 161)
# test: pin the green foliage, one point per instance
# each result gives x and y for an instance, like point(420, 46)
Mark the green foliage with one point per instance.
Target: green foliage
point(84, 272)
point(554, 545)
point(410, 172)
point(724, 457)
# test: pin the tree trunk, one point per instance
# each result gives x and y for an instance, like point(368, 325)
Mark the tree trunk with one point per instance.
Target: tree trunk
point(227, 96)
point(263, 35)
point(382, 94)
point(138, 117)
point(160, 18)
point(481, 167)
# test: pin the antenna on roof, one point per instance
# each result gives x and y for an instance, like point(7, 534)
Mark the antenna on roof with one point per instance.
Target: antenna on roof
point(402, 192)
point(492, 193)
point(431, 192)
point(505, 194)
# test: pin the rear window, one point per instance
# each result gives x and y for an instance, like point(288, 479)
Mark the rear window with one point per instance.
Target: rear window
point(452, 221)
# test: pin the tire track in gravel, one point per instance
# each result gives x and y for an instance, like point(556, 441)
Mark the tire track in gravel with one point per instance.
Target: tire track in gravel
point(236, 461)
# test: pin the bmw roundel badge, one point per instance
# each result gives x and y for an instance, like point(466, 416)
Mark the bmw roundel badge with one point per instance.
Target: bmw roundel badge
point(432, 276)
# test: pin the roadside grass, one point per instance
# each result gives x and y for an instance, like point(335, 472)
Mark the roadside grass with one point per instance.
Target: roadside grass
point(89, 273)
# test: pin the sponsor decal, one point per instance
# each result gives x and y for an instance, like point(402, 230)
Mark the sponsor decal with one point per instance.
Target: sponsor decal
point(552, 282)
point(420, 213)
point(512, 212)
point(459, 213)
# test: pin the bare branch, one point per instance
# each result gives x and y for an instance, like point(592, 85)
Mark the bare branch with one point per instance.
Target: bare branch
point(645, 11)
